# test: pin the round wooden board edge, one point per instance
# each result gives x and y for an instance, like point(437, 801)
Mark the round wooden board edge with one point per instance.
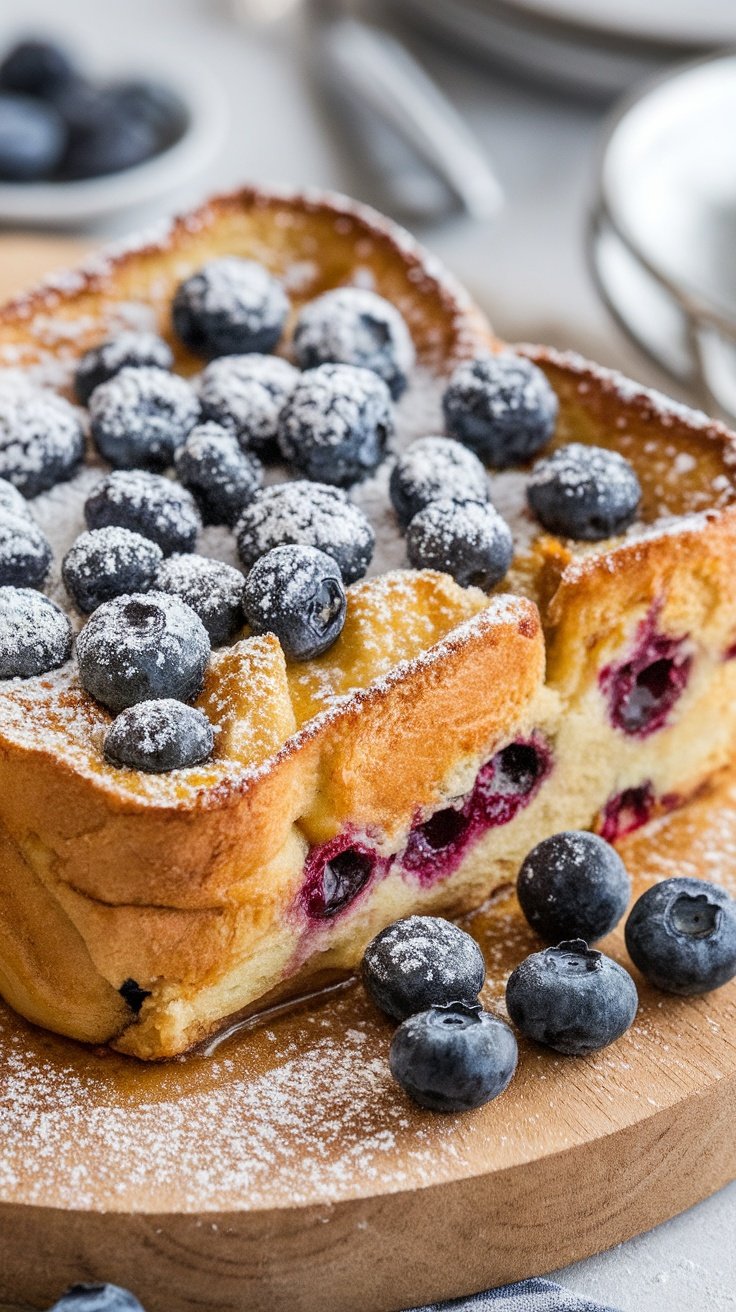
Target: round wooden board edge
point(394, 1251)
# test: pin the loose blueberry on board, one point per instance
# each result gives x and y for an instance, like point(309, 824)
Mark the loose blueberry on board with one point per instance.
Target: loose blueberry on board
point(221, 476)
point(229, 307)
point(584, 492)
point(139, 417)
point(32, 138)
point(36, 68)
point(213, 589)
point(142, 646)
point(157, 736)
point(468, 540)
point(682, 935)
point(351, 325)
point(502, 407)
point(25, 551)
point(41, 438)
point(435, 469)
point(337, 423)
point(148, 504)
point(35, 634)
point(573, 885)
point(13, 502)
point(422, 962)
point(453, 1058)
point(571, 998)
point(246, 393)
point(106, 562)
point(310, 515)
point(97, 1298)
point(127, 350)
point(297, 593)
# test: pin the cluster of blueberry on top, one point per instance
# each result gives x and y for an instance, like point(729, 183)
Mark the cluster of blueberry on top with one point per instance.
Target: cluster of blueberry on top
point(56, 124)
point(450, 1054)
point(155, 607)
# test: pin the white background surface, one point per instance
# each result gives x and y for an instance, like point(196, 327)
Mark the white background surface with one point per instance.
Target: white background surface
point(528, 271)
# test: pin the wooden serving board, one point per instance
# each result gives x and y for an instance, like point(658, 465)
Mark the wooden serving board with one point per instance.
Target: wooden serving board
point(286, 1171)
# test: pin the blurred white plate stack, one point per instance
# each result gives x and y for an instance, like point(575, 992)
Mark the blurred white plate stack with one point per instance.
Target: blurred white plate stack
point(663, 236)
point(597, 47)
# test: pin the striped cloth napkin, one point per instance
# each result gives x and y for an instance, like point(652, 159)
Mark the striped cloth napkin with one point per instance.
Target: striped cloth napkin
point(527, 1296)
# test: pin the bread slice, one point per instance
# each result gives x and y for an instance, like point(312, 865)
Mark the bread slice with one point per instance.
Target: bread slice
point(412, 766)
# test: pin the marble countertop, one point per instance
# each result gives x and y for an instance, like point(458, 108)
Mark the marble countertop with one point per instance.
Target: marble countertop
point(526, 268)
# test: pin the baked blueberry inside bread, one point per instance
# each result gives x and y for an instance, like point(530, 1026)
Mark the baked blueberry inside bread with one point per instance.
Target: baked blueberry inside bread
point(357, 624)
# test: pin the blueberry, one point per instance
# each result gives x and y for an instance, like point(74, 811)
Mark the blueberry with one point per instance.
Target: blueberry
point(573, 885)
point(36, 68)
point(222, 478)
point(584, 492)
point(25, 551)
point(157, 736)
point(297, 593)
point(102, 362)
point(133, 994)
point(35, 634)
point(213, 589)
point(682, 936)
point(571, 998)
point(107, 562)
point(41, 439)
point(337, 423)
point(140, 417)
point(470, 541)
point(422, 962)
point(97, 1298)
point(102, 139)
point(153, 104)
point(142, 646)
point(453, 1058)
point(501, 406)
point(229, 307)
point(12, 501)
point(31, 139)
point(310, 515)
point(246, 393)
point(147, 504)
point(434, 469)
point(351, 325)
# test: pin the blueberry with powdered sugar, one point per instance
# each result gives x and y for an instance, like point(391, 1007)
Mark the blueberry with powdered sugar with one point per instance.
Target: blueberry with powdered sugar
point(229, 307)
point(12, 501)
point(148, 504)
point(246, 393)
point(351, 325)
point(310, 515)
point(434, 469)
point(297, 593)
point(140, 417)
point(584, 492)
point(35, 634)
point(337, 423)
point(421, 962)
point(158, 736)
point(129, 349)
point(140, 646)
point(41, 439)
point(502, 407)
point(213, 589)
point(95, 1296)
point(573, 885)
point(25, 551)
point(106, 562)
point(470, 541)
point(220, 475)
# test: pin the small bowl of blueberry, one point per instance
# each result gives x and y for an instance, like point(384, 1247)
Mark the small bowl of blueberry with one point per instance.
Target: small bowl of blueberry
point(75, 146)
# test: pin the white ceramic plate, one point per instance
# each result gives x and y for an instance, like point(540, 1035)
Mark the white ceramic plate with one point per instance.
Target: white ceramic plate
point(690, 23)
